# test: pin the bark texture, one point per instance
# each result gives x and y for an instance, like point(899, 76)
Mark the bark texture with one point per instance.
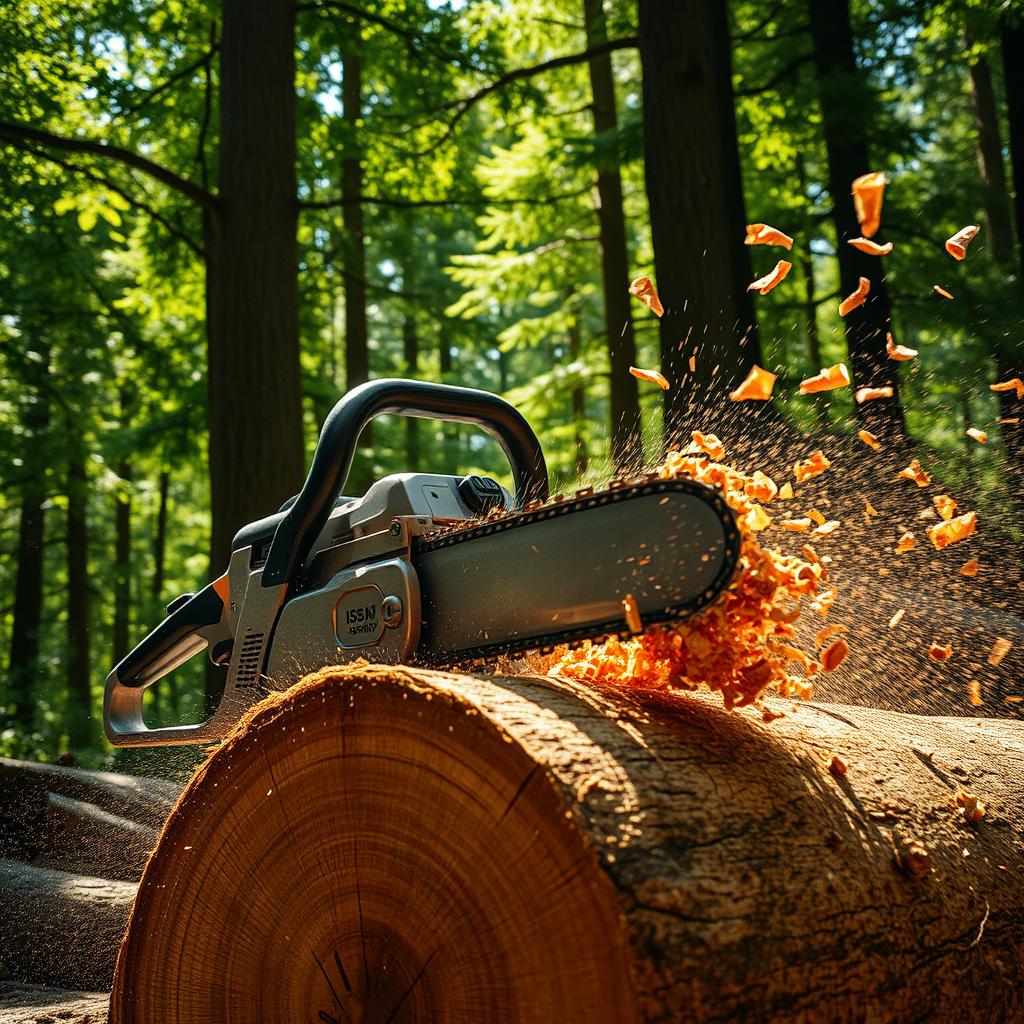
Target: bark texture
point(402, 845)
point(695, 195)
point(78, 603)
point(256, 443)
point(625, 432)
point(844, 114)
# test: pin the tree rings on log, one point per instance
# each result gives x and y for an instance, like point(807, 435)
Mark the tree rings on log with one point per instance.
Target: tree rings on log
point(395, 845)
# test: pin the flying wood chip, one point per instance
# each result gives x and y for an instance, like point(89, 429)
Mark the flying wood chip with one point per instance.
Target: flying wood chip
point(1000, 649)
point(953, 530)
point(944, 505)
point(871, 248)
point(708, 443)
point(939, 290)
point(977, 435)
point(897, 618)
point(632, 614)
point(760, 487)
point(757, 519)
point(868, 192)
point(940, 652)
point(870, 394)
point(957, 245)
point(824, 529)
point(828, 379)
point(898, 352)
point(970, 568)
point(651, 376)
point(869, 510)
point(855, 299)
point(1016, 384)
point(796, 525)
point(757, 387)
point(916, 473)
point(786, 492)
point(811, 467)
point(765, 234)
point(906, 543)
point(765, 284)
point(834, 655)
point(871, 440)
point(1011, 420)
point(643, 288)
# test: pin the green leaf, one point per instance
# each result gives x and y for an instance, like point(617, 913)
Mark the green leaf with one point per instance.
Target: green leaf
point(87, 218)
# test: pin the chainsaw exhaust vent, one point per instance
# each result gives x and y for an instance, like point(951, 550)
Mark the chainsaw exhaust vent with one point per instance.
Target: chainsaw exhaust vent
point(249, 659)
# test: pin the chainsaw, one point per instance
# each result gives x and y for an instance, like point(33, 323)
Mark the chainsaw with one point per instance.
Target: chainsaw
point(429, 569)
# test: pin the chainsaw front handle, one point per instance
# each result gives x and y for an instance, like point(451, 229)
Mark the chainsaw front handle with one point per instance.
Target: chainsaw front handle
point(188, 629)
point(332, 460)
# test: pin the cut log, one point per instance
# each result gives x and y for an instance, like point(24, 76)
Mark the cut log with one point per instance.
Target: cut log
point(60, 929)
point(388, 844)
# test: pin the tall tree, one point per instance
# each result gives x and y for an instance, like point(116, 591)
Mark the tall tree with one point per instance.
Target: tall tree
point(696, 202)
point(846, 106)
point(79, 667)
point(626, 436)
point(1012, 40)
point(256, 445)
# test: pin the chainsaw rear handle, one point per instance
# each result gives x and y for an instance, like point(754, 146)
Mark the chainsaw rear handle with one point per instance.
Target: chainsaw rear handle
point(332, 460)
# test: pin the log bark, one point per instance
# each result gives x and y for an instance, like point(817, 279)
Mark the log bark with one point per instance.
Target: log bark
point(60, 929)
point(390, 844)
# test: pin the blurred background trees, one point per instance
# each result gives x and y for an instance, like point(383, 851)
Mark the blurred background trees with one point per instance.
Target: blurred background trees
point(216, 216)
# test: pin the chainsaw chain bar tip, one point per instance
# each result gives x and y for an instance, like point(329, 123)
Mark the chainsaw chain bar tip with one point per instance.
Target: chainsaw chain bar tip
point(587, 498)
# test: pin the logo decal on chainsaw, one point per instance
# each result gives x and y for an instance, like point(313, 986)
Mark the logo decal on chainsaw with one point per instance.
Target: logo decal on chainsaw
point(357, 619)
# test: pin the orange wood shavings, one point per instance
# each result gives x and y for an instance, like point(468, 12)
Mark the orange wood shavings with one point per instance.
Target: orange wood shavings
point(824, 529)
point(757, 519)
point(956, 246)
point(760, 487)
point(870, 394)
point(632, 614)
point(900, 353)
point(651, 376)
point(756, 387)
point(708, 443)
point(952, 530)
point(816, 516)
point(916, 473)
point(796, 525)
point(871, 440)
point(1011, 420)
point(835, 654)
point(970, 568)
point(944, 505)
point(1000, 649)
point(897, 618)
point(868, 192)
point(974, 693)
point(871, 248)
point(811, 467)
point(974, 808)
point(786, 492)
point(825, 632)
point(855, 298)
point(828, 379)
point(740, 646)
point(774, 277)
point(643, 288)
point(838, 767)
point(939, 290)
point(940, 652)
point(977, 435)
point(869, 510)
point(1015, 384)
point(906, 543)
point(765, 234)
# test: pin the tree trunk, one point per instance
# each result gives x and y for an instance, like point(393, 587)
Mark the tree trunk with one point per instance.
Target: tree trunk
point(625, 432)
point(79, 668)
point(411, 358)
point(1012, 39)
point(156, 585)
point(357, 352)
point(256, 447)
point(803, 256)
point(389, 844)
point(578, 405)
point(123, 561)
point(1005, 348)
point(23, 662)
point(841, 92)
point(697, 213)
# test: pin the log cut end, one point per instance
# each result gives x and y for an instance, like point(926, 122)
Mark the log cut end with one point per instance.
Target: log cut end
point(373, 848)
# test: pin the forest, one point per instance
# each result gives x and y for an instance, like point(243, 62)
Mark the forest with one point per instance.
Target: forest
point(216, 217)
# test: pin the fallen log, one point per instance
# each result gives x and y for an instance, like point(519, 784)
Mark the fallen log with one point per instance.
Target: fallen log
point(58, 928)
point(388, 844)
